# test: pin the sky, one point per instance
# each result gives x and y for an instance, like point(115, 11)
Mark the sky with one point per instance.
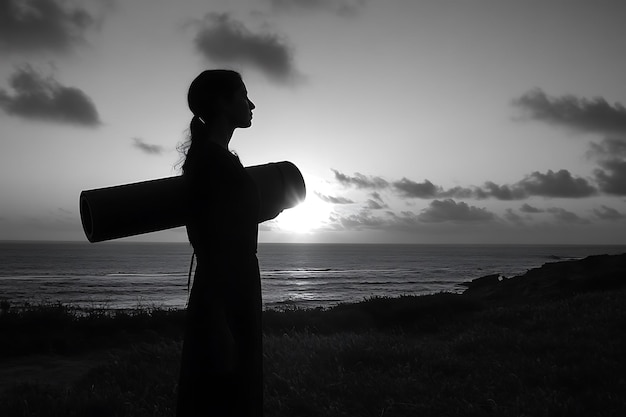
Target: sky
point(468, 121)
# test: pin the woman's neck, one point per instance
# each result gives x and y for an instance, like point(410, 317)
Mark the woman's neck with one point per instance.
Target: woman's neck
point(220, 133)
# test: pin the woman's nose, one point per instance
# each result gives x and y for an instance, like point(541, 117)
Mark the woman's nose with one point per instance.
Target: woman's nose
point(251, 105)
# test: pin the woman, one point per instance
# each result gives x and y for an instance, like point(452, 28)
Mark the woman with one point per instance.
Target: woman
point(221, 366)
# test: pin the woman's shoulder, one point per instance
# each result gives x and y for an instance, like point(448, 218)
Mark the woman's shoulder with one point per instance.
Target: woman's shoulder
point(218, 153)
point(215, 162)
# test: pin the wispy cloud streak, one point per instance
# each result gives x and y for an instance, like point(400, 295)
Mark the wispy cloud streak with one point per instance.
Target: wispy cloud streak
point(147, 148)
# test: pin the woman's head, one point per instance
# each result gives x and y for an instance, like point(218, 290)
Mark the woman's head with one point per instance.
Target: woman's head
point(219, 102)
point(220, 95)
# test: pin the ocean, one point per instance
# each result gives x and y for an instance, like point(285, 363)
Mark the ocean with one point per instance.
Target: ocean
point(128, 275)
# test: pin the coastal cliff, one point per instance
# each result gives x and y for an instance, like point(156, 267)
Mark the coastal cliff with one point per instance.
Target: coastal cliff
point(554, 280)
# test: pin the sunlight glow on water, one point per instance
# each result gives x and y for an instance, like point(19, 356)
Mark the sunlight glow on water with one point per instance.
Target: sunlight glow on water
point(131, 275)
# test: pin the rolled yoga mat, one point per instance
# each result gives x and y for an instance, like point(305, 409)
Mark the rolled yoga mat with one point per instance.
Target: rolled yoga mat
point(149, 206)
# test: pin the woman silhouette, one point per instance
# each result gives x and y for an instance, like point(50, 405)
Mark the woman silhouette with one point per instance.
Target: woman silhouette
point(221, 365)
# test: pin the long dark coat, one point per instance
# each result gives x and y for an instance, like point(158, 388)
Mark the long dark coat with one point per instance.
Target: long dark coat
point(221, 365)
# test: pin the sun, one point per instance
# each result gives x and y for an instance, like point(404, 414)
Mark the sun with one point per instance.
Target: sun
point(306, 217)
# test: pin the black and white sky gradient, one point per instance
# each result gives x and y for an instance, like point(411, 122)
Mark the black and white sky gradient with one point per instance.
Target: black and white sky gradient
point(418, 122)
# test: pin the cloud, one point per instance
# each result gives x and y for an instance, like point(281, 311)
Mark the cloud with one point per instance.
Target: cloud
point(513, 217)
point(414, 189)
point(527, 208)
point(503, 192)
point(375, 205)
point(346, 8)
point(449, 210)
point(334, 200)
point(376, 196)
point(566, 216)
point(358, 221)
point(556, 184)
point(595, 115)
point(560, 184)
point(39, 98)
point(608, 213)
point(361, 181)
point(612, 178)
point(222, 39)
point(42, 25)
point(376, 202)
point(383, 221)
point(146, 147)
point(463, 193)
point(609, 147)
point(611, 155)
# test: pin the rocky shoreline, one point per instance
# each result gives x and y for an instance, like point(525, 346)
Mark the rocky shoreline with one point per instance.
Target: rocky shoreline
point(554, 279)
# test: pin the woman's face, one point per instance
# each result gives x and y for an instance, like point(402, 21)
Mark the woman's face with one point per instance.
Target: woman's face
point(238, 109)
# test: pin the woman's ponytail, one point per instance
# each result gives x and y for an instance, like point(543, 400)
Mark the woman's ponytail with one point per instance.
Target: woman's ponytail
point(197, 127)
point(197, 133)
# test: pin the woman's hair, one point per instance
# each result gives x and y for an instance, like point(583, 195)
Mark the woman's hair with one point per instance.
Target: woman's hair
point(203, 98)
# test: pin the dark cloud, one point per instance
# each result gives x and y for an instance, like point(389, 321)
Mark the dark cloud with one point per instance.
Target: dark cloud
point(595, 115)
point(414, 189)
point(527, 208)
point(502, 192)
point(387, 220)
point(566, 216)
point(405, 220)
point(39, 98)
point(362, 220)
point(608, 213)
point(334, 200)
point(463, 193)
point(146, 147)
point(611, 155)
point(513, 217)
point(612, 177)
point(439, 212)
point(375, 205)
point(345, 8)
point(449, 210)
point(361, 181)
point(376, 196)
point(41, 25)
point(224, 40)
point(556, 184)
point(376, 202)
point(560, 184)
point(611, 147)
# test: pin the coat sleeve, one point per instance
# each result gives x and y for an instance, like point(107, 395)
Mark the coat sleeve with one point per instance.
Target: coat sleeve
point(217, 209)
